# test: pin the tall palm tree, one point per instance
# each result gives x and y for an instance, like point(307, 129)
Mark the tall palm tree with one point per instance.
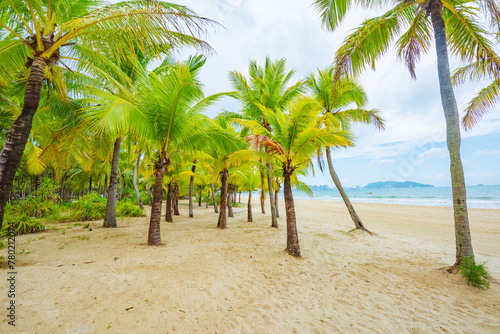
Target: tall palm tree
point(294, 141)
point(452, 22)
point(335, 96)
point(267, 87)
point(55, 28)
point(247, 179)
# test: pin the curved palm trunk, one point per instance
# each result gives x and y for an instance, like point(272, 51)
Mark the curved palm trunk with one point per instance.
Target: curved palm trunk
point(354, 216)
point(274, 218)
point(292, 239)
point(12, 152)
point(222, 222)
point(462, 231)
point(262, 194)
point(137, 193)
point(230, 212)
point(168, 205)
point(190, 192)
point(161, 166)
point(110, 217)
point(249, 210)
point(214, 199)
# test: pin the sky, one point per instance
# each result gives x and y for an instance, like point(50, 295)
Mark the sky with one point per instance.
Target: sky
point(413, 146)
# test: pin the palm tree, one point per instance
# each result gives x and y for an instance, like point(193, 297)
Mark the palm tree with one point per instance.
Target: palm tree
point(295, 139)
point(266, 88)
point(247, 180)
point(335, 96)
point(56, 28)
point(450, 22)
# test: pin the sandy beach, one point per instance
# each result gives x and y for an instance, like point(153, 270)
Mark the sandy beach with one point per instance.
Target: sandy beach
point(239, 280)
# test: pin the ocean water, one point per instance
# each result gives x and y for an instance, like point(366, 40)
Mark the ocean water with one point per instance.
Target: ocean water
point(486, 197)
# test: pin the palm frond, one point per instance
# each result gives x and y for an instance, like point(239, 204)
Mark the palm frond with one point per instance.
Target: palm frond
point(481, 104)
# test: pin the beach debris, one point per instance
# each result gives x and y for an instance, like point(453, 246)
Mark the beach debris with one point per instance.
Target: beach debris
point(116, 258)
point(131, 307)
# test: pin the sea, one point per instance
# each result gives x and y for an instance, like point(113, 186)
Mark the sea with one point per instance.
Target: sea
point(485, 197)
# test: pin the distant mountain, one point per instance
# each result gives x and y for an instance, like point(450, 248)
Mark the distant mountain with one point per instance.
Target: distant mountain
point(394, 184)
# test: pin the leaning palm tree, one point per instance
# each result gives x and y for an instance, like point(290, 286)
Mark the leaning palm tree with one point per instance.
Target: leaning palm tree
point(452, 22)
point(53, 31)
point(294, 142)
point(267, 87)
point(335, 96)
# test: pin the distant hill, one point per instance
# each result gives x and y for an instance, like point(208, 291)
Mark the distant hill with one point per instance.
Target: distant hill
point(394, 184)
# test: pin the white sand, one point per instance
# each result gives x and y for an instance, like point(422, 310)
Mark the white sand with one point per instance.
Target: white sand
point(204, 280)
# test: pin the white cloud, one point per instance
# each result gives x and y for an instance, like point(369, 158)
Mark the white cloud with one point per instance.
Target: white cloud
point(433, 153)
point(488, 152)
point(381, 162)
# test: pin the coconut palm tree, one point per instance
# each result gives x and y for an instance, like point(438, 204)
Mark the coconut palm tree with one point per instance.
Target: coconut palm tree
point(172, 102)
point(294, 141)
point(335, 96)
point(450, 22)
point(55, 28)
point(247, 179)
point(267, 87)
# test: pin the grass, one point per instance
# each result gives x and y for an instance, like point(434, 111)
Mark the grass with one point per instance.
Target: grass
point(475, 273)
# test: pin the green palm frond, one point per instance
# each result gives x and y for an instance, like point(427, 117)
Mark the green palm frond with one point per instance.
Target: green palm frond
point(481, 104)
point(369, 42)
point(332, 12)
point(466, 38)
point(417, 39)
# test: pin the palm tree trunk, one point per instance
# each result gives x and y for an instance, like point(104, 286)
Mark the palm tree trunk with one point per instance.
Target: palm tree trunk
point(110, 217)
point(230, 212)
point(222, 222)
point(149, 194)
point(90, 184)
point(354, 216)
point(121, 188)
point(249, 208)
point(274, 218)
point(276, 192)
point(199, 198)
point(154, 237)
point(190, 194)
point(292, 239)
point(106, 184)
point(136, 187)
point(18, 135)
point(462, 232)
point(168, 205)
point(175, 200)
point(262, 194)
point(239, 197)
point(208, 197)
point(214, 199)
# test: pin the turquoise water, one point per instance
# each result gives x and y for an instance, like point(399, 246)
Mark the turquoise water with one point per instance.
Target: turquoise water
point(486, 197)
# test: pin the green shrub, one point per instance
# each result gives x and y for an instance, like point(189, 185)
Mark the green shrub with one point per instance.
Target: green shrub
point(89, 207)
point(24, 224)
point(127, 209)
point(476, 274)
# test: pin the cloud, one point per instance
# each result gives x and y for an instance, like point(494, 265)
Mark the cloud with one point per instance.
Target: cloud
point(488, 152)
point(433, 153)
point(381, 162)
